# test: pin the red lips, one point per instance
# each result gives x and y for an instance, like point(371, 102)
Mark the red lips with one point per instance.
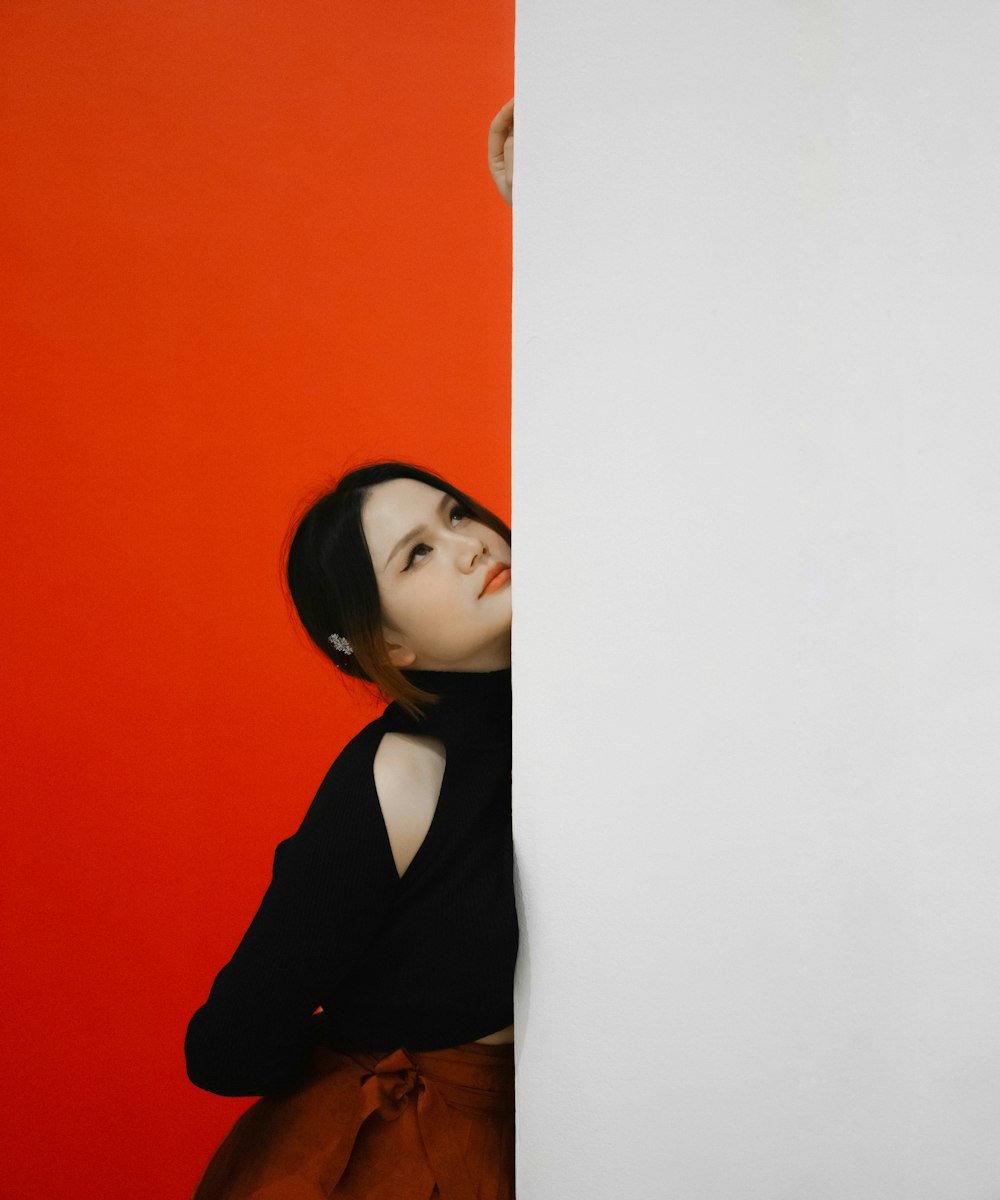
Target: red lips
point(492, 573)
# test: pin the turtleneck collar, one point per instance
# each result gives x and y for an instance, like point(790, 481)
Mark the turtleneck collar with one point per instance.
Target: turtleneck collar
point(475, 706)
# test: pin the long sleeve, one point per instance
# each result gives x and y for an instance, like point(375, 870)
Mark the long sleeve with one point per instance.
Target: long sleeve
point(331, 889)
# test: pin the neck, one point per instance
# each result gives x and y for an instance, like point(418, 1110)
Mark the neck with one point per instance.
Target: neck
point(474, 706)
point(494, 656)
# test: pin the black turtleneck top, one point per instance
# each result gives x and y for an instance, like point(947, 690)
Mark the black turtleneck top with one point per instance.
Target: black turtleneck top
point(424, 961)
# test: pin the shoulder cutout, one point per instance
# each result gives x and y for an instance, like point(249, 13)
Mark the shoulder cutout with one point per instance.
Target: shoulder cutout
point(408, 770)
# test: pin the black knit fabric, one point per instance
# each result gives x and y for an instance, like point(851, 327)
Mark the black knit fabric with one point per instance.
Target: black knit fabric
point(425, 961)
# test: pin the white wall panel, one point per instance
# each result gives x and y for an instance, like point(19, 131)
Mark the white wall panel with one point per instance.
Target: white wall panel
point(756, 641)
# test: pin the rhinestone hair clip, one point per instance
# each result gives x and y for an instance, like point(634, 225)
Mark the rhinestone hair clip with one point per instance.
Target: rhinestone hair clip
point(342, 644)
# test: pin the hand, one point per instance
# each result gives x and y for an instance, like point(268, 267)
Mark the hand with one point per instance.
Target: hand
point(501, 151)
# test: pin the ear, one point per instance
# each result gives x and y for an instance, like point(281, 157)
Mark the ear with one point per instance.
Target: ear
point(399, 655)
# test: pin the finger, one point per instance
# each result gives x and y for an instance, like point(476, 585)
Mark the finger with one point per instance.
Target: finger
point(505, 116)
point(500, 129)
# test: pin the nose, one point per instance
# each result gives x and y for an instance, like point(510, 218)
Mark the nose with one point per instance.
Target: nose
point(471, 548)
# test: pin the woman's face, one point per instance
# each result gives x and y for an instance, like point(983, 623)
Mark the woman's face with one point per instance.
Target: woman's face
point(430, 559)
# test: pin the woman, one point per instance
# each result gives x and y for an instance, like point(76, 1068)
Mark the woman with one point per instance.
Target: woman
point(391, 908)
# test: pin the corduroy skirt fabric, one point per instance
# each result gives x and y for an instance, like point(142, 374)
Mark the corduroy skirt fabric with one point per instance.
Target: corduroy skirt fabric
point(400, 1125)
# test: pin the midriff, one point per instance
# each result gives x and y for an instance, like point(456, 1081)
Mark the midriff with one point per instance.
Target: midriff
point(501, 1037)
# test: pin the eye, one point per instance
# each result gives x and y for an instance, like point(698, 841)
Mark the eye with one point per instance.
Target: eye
point(413, 553)
point(457, 510)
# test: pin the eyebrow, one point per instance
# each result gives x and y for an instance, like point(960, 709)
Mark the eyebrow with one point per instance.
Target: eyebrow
point(443, 503)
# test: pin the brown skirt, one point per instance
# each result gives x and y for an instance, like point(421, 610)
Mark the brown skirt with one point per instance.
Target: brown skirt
point(404, 1125)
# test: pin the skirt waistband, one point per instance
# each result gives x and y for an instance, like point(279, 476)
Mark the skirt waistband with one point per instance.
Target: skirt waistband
point(469, 1076)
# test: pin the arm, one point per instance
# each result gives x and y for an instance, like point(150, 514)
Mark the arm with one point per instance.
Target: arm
point(329, 893)
point(500, 151)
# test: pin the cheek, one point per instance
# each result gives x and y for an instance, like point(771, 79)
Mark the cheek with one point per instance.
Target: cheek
point(441, 597)
point(396, 605)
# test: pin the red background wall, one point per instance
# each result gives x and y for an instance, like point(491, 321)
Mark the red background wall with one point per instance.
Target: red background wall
point(246, 246)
